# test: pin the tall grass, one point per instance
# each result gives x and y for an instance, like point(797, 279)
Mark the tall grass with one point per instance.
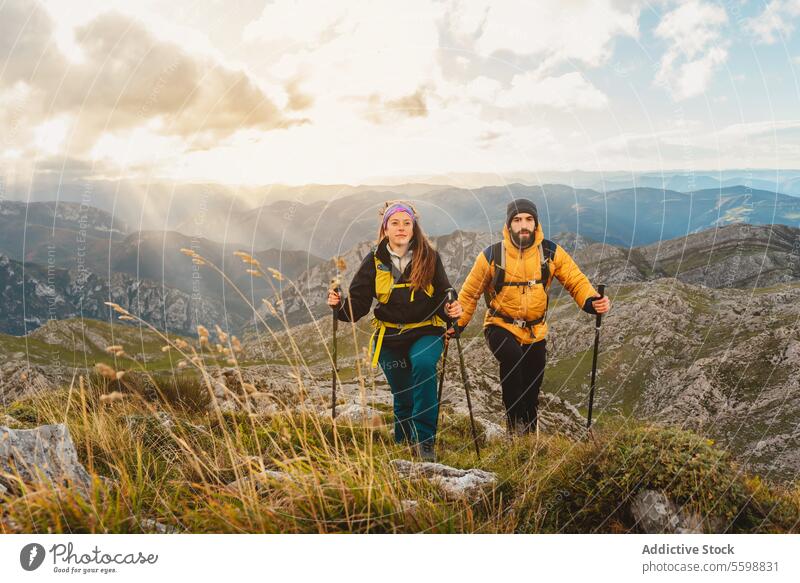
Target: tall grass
point(163, 450)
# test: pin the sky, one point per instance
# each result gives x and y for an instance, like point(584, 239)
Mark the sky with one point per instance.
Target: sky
point(301, 91)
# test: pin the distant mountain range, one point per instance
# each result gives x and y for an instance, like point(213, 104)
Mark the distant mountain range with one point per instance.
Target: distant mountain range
point(735, 256)
point(730, 237)
point(776, 180)
point(198, 209)
point(32, 295)
point(62, 234)
point(64, 260)
point(628, 217)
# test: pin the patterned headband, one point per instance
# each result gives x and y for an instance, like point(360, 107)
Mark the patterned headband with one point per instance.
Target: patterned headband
point(397, 208)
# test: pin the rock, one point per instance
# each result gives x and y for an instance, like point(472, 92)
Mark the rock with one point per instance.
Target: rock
point(654, 513)
point(491, 430)
point(263, 404)
point(455, 484)
point(359, 414)
point(44, 452)
point(165, 420)
point(221, 391)
point(225, 406)
point(150, 525)
point(19, 380)
point(409, 505)
point(555, 415)
point(9, 421)
point(262, 480)
point(410, 508)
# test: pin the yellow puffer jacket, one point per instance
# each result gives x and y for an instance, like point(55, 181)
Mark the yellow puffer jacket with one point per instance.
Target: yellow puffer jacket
point(523, 302)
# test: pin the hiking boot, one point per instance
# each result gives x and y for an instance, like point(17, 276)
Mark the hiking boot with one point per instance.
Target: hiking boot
point(518, 429)
point(426, 451)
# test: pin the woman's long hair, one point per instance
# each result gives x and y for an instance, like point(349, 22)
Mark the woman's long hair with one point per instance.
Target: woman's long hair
point(423, 263)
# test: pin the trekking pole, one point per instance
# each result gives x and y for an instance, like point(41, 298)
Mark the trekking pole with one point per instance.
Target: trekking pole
point(441, 374)
point(601, 288)
point(450, 324)
point(451, 297)
point(335, 288)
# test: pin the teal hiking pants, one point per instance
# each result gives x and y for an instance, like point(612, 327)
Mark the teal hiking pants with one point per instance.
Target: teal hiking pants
point(411, 373)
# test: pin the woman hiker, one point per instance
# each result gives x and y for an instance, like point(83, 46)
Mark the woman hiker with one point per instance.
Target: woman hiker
point(405, 274)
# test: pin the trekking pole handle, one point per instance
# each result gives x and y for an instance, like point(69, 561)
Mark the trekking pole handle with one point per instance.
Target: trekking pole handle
point(450, 297)
point(602, 289)
point(335, 287)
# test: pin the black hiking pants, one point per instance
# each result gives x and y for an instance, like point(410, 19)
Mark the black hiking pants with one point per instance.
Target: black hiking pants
point(521, 374)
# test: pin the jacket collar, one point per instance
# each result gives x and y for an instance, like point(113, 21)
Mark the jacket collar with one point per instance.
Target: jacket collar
point(382, 251)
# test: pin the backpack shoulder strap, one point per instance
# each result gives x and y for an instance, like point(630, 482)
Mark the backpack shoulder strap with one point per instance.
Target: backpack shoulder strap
point(548, 254)
point(493, 252)
point(499, 260)
point(496, 257)
point(549, 249)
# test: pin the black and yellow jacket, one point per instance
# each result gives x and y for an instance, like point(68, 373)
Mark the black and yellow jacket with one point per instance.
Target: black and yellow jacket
point(406, 313)
point(525, 303)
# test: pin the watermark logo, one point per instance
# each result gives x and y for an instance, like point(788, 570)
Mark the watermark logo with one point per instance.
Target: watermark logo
point(31, 556)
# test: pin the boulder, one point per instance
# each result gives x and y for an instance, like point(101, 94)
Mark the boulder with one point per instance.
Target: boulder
point(19, 380)
point(155, 527)
point(359, 414)
point(46, 452)
point(555, 415)
point(654, 513)
point(491, 430)
point(455, 484)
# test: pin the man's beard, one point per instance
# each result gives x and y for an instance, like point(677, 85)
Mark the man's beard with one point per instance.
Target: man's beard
point(516, 238)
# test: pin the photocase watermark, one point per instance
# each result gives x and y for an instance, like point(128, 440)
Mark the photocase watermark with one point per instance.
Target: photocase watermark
point(31, 556)
point(65, 559)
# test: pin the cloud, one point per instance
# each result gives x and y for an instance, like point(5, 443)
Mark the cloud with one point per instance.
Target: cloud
point(125, 78)
point(304, 23)
point(351, 49)
point(696, 48)
point(296, 99)
point(380, 110)
point(775, 22)
point(566, 92)
point(744, 130)
point(690, 144)
point(555, 32)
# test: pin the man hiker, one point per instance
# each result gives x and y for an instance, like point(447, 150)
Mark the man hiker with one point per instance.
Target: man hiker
point(514, 276)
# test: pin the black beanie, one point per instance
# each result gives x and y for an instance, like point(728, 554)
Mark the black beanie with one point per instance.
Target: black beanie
point(521, 205)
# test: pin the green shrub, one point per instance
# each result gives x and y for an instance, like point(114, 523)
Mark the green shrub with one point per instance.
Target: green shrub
point(184, 391)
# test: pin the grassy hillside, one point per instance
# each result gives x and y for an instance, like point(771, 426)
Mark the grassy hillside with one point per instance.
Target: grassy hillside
point(81, 343)
point(175, 468)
